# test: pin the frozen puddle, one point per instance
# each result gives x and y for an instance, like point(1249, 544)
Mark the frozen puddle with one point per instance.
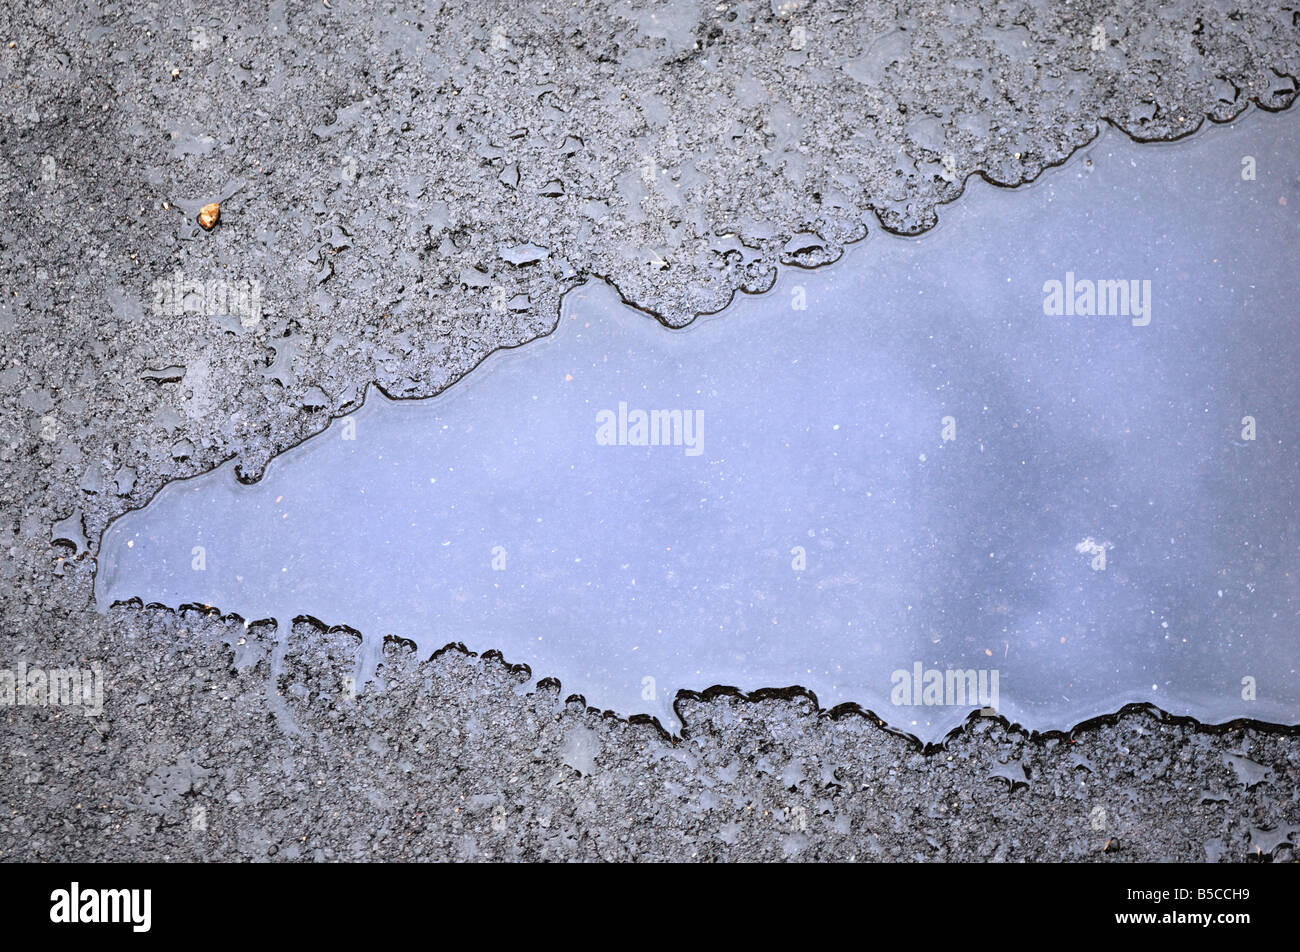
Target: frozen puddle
point(919, 492)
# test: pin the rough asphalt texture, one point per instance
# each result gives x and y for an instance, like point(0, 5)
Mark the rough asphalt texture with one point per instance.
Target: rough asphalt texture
point(390, 174)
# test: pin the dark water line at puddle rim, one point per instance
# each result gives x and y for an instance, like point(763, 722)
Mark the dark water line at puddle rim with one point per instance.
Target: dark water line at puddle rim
point(851, 709)
point(791, 692)
point(979, 174)
point(758, 695)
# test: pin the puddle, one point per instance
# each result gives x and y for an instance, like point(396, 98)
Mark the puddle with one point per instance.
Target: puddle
point(887, 481)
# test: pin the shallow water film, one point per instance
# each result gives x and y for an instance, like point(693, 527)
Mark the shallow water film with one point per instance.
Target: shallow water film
point(1041, 461)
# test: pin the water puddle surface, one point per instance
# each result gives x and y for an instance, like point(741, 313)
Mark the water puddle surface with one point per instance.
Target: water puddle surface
point(925, 479)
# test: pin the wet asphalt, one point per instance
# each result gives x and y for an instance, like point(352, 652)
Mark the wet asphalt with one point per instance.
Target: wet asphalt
point(382, 171)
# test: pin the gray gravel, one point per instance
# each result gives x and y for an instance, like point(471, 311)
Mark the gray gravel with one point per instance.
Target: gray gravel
point(379, 168)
